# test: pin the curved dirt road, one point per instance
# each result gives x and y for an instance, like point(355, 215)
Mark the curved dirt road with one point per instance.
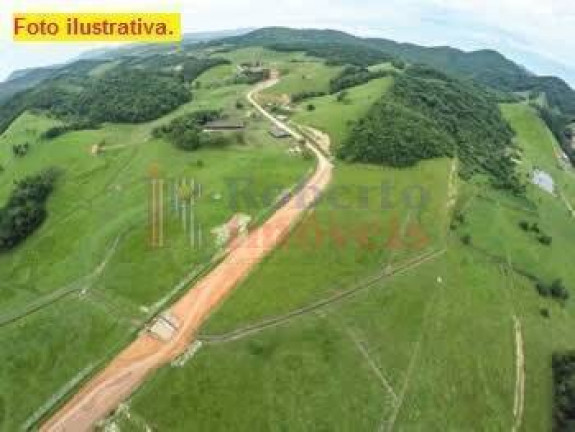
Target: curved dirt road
point(103, 393)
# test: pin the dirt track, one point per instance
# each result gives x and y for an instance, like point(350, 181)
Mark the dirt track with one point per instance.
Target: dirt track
point(519, 402)
point(131, 367)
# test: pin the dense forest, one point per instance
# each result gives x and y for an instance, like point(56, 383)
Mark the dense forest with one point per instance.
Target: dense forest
point(392, 134)
point(487, 67)
point(421, 118)
point(352, 76)
point(25, 209)
point(564, 392)
point(130, 96)
point(335, 47)
point(125, 94)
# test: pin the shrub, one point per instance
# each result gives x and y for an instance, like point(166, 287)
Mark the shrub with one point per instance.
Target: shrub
point(524, 225)
point(545, 239)
point(466, 239)
point(555, 290)
point(311, 107)
point(558, 290)
point(543, 289)
point(343, 96)
point(56, 131)
point(20, 150)
point(301, 96)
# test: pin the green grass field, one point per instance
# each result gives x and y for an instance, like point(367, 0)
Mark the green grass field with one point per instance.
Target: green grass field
point(364, 224)
point(445, 352)
point(50, 350)
point(337, 118)
point(305, 76)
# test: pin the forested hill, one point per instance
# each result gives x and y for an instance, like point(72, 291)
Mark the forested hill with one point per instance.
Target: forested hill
point(486, 66)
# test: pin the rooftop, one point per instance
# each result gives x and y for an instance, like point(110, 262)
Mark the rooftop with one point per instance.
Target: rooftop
point(279, 133)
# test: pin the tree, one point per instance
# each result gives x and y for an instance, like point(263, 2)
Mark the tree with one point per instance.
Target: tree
point(558, 290)
point(398, 64)
point(343, 96)
point(524, 225)
point(20, 150)
point(25, 209)
point(543, 289)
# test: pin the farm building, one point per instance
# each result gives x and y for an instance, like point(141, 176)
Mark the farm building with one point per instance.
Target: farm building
point(279, 133)
point(224, 125)
point(164, 327)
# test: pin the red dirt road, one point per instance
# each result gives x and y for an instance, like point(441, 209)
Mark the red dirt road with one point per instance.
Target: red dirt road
point(103, 393)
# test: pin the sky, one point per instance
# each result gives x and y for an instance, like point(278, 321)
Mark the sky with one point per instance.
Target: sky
point(536, 33)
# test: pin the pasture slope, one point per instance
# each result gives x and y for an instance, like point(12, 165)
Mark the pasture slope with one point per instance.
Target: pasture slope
point(62, 314)
point(102, 394)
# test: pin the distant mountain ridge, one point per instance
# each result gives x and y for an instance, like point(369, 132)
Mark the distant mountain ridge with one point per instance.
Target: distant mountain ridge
point(487, 67)
point(24, 79)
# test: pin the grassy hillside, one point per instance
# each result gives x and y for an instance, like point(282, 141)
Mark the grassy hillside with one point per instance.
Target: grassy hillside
point(88, 278)
point(394, 339)
point(433, 346)
point(305, 77)
point(365, 225)
point(426, 115)
point(338, 118)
